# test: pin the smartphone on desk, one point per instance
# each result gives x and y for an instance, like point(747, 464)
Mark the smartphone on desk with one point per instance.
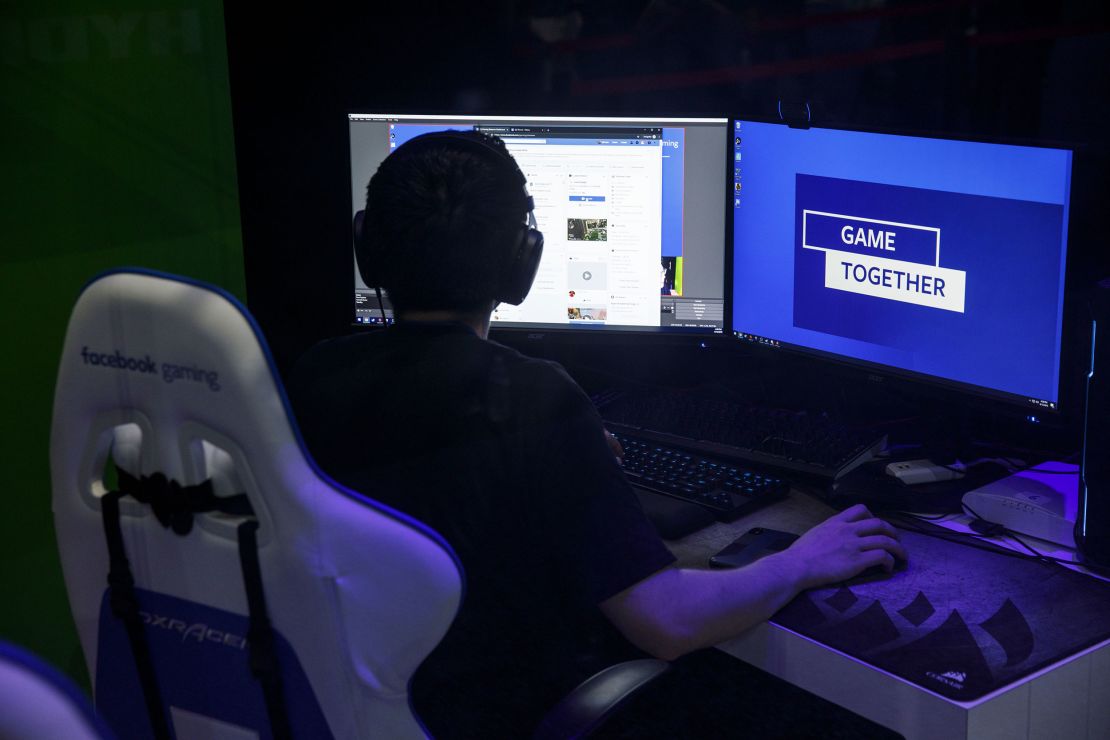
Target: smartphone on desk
point(751, 546)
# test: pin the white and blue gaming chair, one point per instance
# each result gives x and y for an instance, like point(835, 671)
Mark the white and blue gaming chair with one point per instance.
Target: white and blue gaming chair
point(222, 585)
point(168, 376)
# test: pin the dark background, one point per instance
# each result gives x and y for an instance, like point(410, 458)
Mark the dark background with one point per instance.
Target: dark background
point(991, 69)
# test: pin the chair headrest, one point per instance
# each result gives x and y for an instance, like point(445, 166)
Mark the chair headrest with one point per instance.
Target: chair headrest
point(175, 375)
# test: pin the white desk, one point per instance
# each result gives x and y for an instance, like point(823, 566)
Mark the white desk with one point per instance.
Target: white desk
point(1069, 700)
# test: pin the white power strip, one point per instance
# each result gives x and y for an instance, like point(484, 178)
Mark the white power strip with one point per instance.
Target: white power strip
point(913, 472)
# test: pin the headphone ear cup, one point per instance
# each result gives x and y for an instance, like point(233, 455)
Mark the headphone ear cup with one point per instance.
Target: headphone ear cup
point(524, 267)
point(366, 252)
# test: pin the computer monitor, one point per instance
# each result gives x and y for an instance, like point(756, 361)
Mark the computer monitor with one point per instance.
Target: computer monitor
point(936, 259)
point(630, 208)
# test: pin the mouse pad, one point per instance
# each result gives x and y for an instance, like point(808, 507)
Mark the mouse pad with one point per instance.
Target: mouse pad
point(959, 620)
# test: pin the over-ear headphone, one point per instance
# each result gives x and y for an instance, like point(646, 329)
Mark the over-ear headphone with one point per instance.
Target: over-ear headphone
point(526, 248)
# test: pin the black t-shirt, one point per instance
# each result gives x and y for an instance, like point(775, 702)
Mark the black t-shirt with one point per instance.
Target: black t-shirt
point(504, 456)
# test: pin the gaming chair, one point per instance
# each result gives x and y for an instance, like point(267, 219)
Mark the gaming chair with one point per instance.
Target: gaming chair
point(222, 585)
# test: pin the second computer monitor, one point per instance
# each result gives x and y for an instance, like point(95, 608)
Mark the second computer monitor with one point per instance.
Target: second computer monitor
point(630, 208)
point(936, 259)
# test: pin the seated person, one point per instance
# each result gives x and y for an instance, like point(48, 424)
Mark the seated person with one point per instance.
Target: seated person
point(506, 457)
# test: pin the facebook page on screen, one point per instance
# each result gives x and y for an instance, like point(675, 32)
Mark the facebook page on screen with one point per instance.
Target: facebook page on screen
point(600, 202)
point(937, 257)
point(630, 209)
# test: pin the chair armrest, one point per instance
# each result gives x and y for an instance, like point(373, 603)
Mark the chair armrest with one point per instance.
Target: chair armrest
point(592, 702)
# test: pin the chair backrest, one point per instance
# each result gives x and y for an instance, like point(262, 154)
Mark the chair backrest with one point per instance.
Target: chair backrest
point(36, 701)
point(167, 375)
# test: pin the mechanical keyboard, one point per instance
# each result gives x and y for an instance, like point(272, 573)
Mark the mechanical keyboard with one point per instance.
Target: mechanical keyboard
point(729, 491)
point(793, 442)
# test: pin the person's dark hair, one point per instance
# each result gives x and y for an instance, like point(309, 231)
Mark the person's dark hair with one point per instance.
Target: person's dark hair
point(444, 219)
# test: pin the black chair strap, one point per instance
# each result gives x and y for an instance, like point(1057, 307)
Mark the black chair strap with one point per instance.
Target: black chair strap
point(125, 607)
point(174, 506)
point(260, 634)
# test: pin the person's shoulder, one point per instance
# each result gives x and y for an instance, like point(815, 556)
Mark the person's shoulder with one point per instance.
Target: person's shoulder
point(330, 363)
point(335, 352)
point(343, 345)
point(532, 370)
point(539, 382)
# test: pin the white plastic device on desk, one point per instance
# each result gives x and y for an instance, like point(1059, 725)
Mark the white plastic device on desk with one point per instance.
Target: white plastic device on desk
point(1041, 502)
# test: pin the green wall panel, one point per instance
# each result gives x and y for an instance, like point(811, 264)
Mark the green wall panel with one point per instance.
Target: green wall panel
point(116, 148)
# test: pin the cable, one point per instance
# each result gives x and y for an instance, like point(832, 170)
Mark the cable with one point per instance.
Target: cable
point(1013, 466)
point(1019, 466)
point(1048, 472)
point(381, 306)
point(1002, 531)
point(978, 541)
point(1033, 452)
point(942, 534)
point(1039, 555)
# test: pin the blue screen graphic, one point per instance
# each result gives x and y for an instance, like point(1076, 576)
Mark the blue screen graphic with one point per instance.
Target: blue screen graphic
point(943, 258)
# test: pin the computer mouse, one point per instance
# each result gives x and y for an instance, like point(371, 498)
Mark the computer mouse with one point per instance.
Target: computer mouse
point(877, 573)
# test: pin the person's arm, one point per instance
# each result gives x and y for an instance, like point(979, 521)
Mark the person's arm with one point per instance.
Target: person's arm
point(676, 611)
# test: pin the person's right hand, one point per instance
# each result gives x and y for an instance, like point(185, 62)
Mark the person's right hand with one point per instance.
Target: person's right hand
point(843, 545)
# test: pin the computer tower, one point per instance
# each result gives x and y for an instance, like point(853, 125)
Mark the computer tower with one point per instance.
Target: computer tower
point(1092, 527)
